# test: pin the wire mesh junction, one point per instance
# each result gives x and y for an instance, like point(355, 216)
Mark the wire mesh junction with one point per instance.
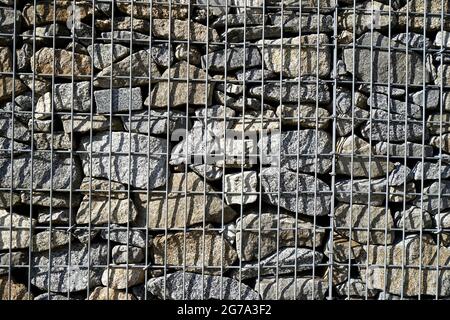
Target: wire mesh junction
point(212, 149)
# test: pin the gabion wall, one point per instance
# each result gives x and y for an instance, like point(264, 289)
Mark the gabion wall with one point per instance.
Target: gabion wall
point(213, 149)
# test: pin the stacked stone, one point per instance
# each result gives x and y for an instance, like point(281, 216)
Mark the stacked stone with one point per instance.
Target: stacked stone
point(90, 128)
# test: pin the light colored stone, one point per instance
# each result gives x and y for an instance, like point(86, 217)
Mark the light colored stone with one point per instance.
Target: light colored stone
point(413, 219)
point(45, 13)
point(293, 62)
point(86, 123)
point(142, 10)
point(122, 255)
point(44, 240)
point(305, 115)
point(100, 187)
point(12, 290)
point(416, 20)
point(238, 184)
point(182, 209)
point(121, 278)
point(264, 243)
point(57, 141)
point(102, 210)
point(103, 293)
point(183, 30)
point(292, 289)
point(104, 54)
point(215, 255)
point(358, 216)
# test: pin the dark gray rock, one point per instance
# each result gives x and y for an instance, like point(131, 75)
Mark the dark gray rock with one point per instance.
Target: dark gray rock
point(157, 121)
point(103, 54)
point(134, 238)
point(120, 100)
point(80, 278)
point(58, 175)
point(238, 19)
point(298, 149)
point(290, 91)
point(24, 55)
point(308, 22)
point(7, 146)
point(7, 24)
point(162, 54)
point(146, 172)
point(290, 183)
point(197, 287)
point(381, 101)
point(122, 36)
point(18, 129)
point(62, 98)
point(285, 258)
point(235, 58)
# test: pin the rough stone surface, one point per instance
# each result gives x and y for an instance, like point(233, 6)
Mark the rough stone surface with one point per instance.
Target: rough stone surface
point(101, 210)
point(289, 184)
point(216, 254)
point(120, 254)
point(234, 58)
point(103, 293)
point(121, 278)
point(42, 241)
point(15, 259)
point(182, 30)
point(238, 184)
point(103, 54)
point(157, 125)
point(269, 222)
point(12, 290)
point(123, 99)
point(185, 204)
point(135, 238)
point(413, 219)
point(197, 287)
point(141, 172)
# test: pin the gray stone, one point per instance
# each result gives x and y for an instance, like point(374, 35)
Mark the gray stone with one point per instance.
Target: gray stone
point(363, 19)
point(57, 217)
point(291, 92)
point(178, 9)
point(162, 54)
point(435, 197)
point(102, 188)
point(15, 233)
point(285, 259)
point(51, 296)
point(45, 240)
point(194, 286)
point(145, 172)
point(141, 121)
point(86, 123)
point(183, 30)
point(23, 56)
point(55, 141)
point(291, 183)
point(123, 254)
point(354, 157)
point(62, 99)
point(103, 54)
point(284, 56)
point(238, 20)
point(103, 210)
point(301, 288)
point(44, 34)
point(298, 150)
point(400, 175)
point(438, 123)
point(355, 288)
point(142, 68)
point(344, 250)
point(180, 93)
point(413, 219)
point(251, 122)
point(261, 244)
point(410, 149)
point(123, 99)
point(40, 125)
point(8, 146)
point(379, 130)
point(123, 23)
point(179, 208)
point(432, 98)
point(442, 39)
point(413, 40)
point(384, 68)
point(308, 22)
point(8, 199)
point(122, 278)
point(241, 188)
point(416, 22)
point(442, 220)
point(58, 199)
point(65, 173)
point(123, 36)
point(185, 53)
point(18, 130)
point(132, 237)
point(254, 74)
point(305, 114)
point(431, 171)
point(382, 102)
point(63, 279)
point(251, 33)
point(358, 190)
point(357, 217)
point(441, 142)
point(9, 18)
point(85, 235)
point(13, 259)
point(235, 58)
point(199, 251)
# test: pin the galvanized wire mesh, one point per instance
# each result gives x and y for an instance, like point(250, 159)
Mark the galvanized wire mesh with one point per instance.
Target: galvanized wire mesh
point(239, 149)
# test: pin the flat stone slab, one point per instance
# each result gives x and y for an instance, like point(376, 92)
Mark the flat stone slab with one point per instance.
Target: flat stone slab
point(118, 100)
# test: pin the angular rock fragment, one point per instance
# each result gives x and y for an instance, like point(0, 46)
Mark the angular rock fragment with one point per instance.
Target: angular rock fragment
point(381, 101)
point(136, 238)
point(183, 30)
point(413, 219)
point(306, 115)
point(233, 58)
point(292, 289)
point(118, 100)
point(138, 170)
point(362, 218)
point(307, 203)
point(57, 200)
point(415, 19)
point(57, 216)
point(179, 92)
point(121, 278)
point(142, 10)
point(244, 184)
point(103, 54)
point(57, 141)
point(183, 205)
point(80, 278)
point(355, 288)
point(103, 293)
point(84, 124)
point(435, 197)
point(45, 240)
point(211, 254)
point(19, 237)
point(12, 290)
point(158, 121)
point(45, 13)
point(358, 190)
point(15, 259)
point(410, 149)
point(102, 210)
point(255, 244)
point(194, 286)
point(122, 254)
point(431, 171)
point(285, 56)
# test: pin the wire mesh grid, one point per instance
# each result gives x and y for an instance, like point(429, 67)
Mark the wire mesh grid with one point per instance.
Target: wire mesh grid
point(224, 149)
